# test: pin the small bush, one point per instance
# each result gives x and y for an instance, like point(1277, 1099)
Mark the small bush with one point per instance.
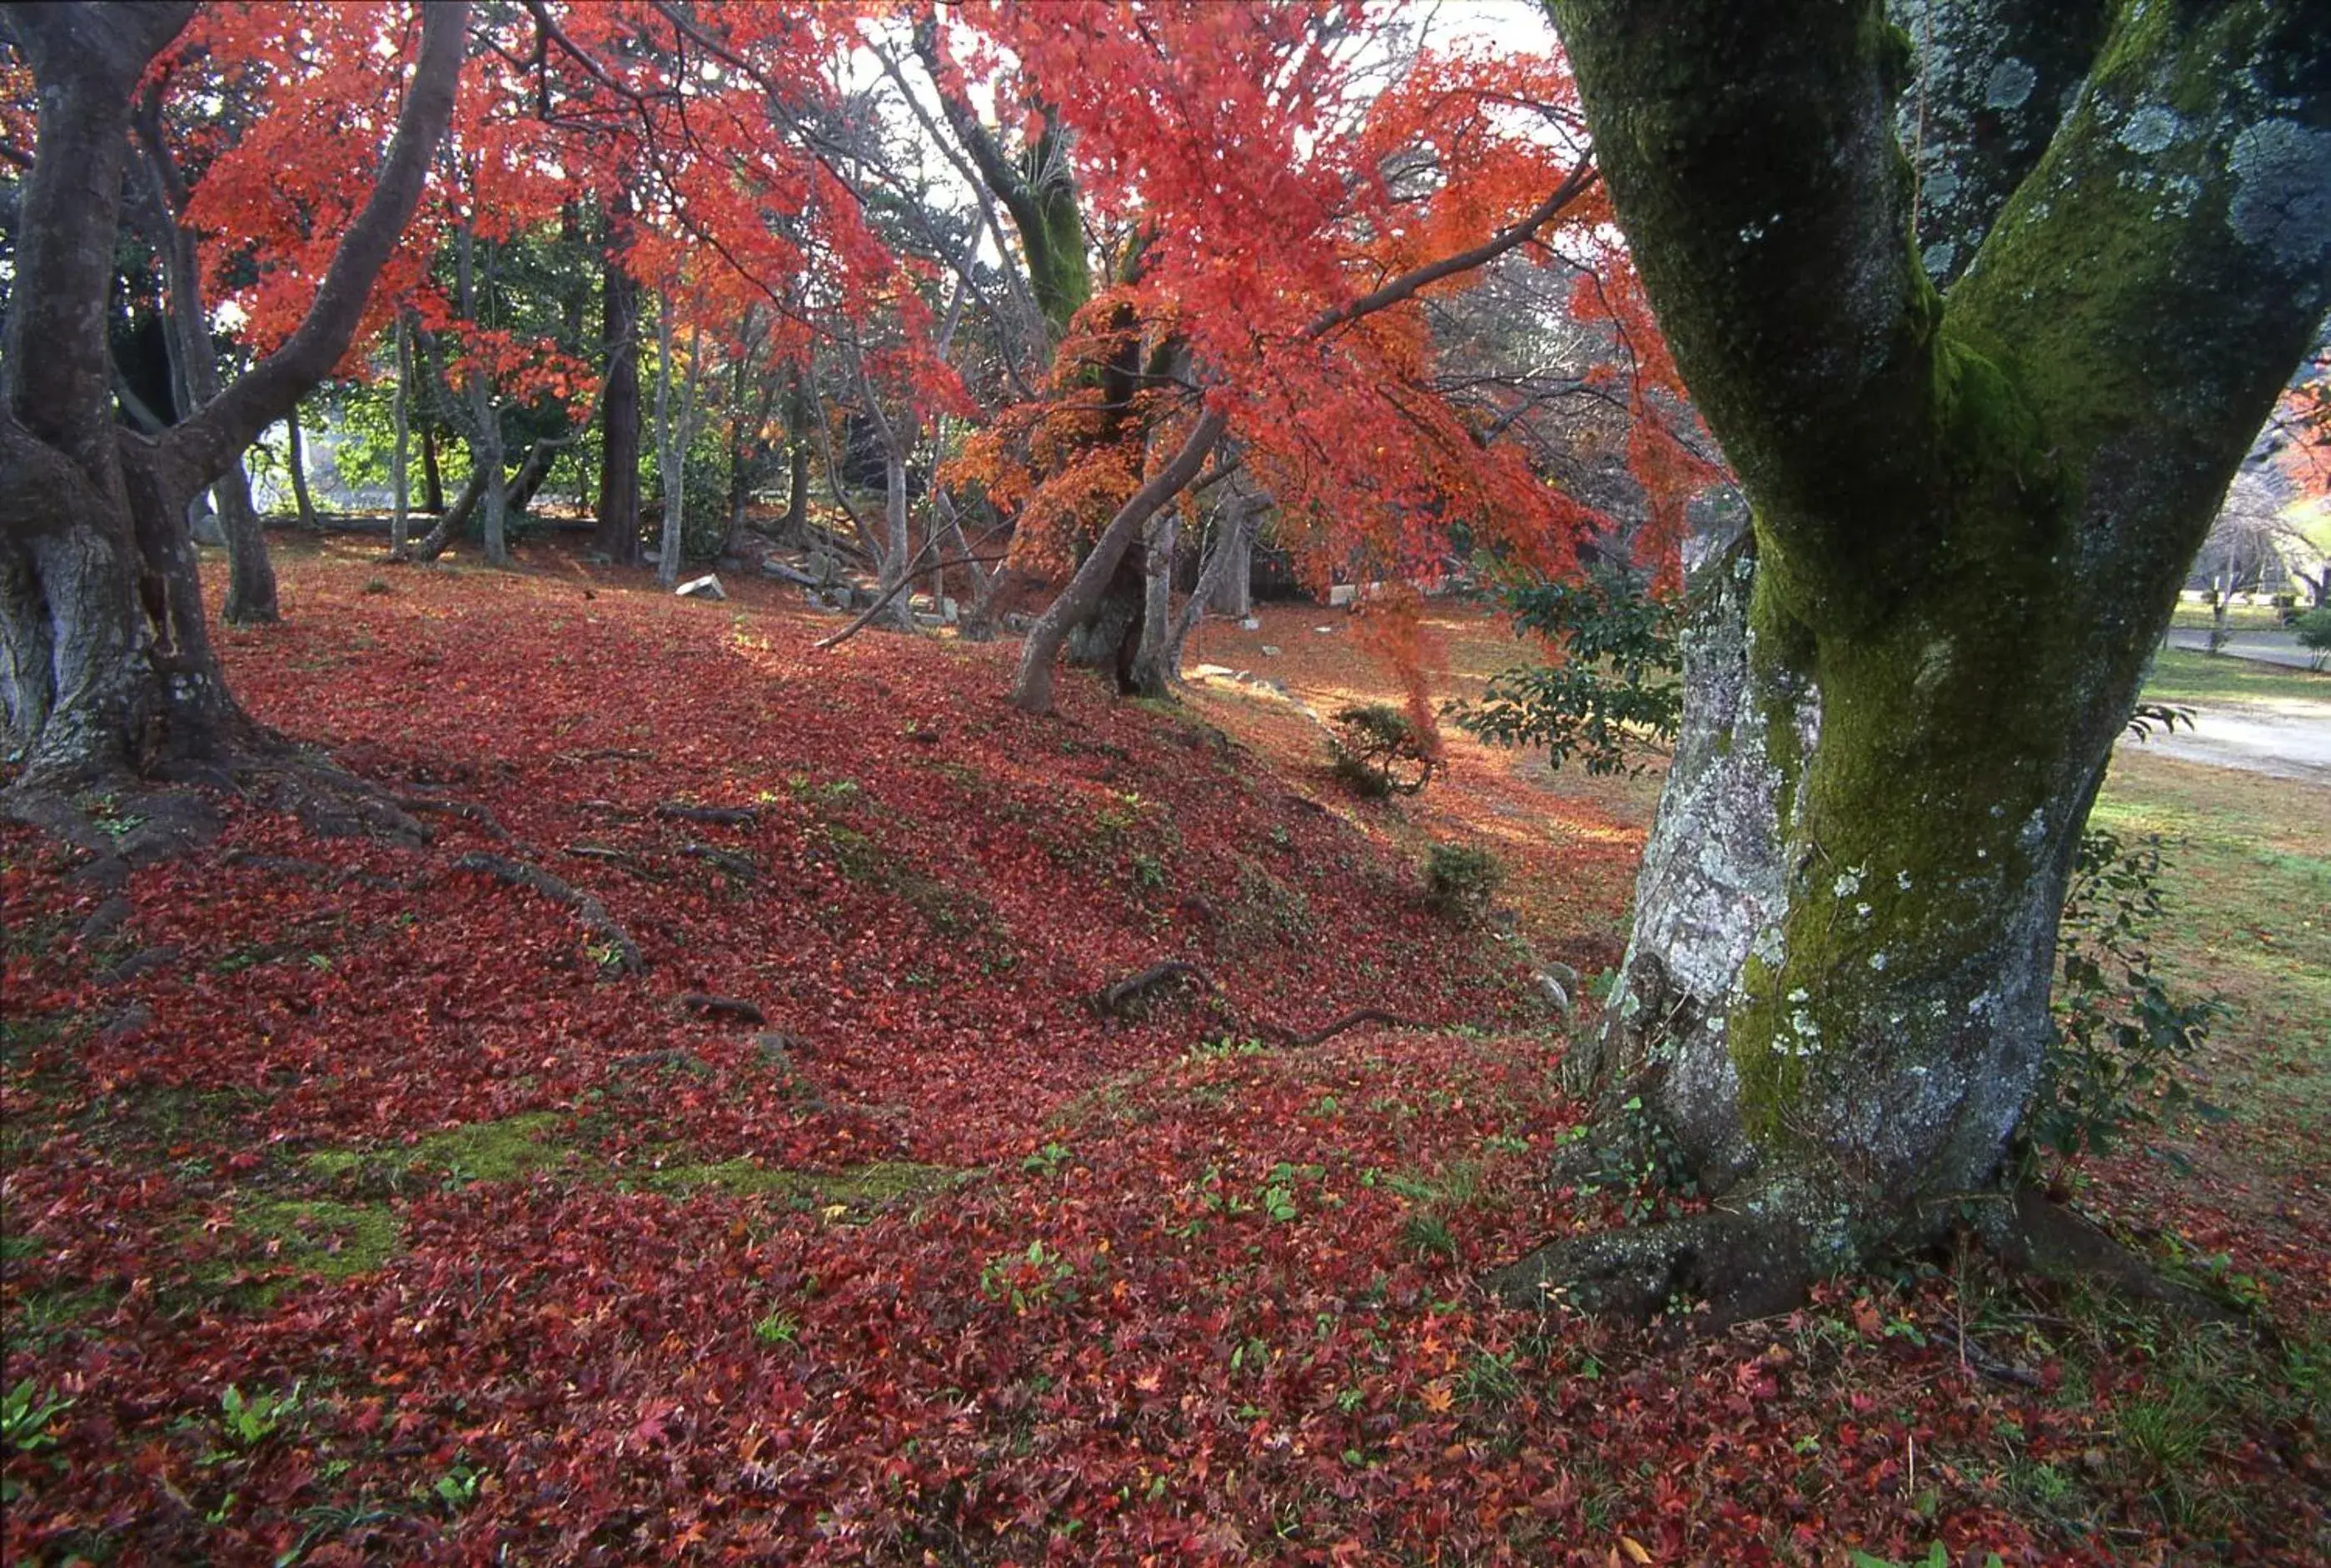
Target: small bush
point(2314, 633)
point(1380, 751)
point(1459, 881)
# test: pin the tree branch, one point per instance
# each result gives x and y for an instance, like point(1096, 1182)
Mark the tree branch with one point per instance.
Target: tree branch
point(1750, 154)
point(204, 444)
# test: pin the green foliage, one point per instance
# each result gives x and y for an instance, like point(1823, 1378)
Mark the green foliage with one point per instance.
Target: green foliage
point(2314, 633)
point(2119, 1031)
point(24, 1417)
point(248, 1421)
point(1459, 881)
point(1615, 685)
point(1937, 1556)
point(1380, 751)
point(1023, 1280)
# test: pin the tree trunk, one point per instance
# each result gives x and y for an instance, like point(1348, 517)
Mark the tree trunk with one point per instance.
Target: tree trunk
point(617, 536)
point(249, 575)
point(453, 519)
point(295, 459)
point(1031, 688)
point(106, 663)
point(400, 517)
point(1233, 592)
point(1903, 683)
point(671, 452)
point(798, 413)
point(898, 550)
point(1151, 674)
point(432, 479)
point(485, 459)
point(1232, 554)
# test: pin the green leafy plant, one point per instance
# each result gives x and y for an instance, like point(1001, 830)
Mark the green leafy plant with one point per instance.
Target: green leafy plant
point(1047, 1160)
point(1459, 881)
point(249, 1420)
point(25, 1418)
point(1025, 1280)
point(1611, 693)
point(778, 1328)
point(457, 1488)
point(2313, 631)
point(1380, 751)
point(2118, 1030)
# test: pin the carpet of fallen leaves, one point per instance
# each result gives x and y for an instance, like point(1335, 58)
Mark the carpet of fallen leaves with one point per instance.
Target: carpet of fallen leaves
point(362, 1208)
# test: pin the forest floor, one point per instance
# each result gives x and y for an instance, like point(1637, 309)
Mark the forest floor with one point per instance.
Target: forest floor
point(361, 1206)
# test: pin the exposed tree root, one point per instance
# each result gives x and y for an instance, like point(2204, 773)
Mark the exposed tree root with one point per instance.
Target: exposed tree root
point(735, 864)
point(719, 816)
point(468, 811)
point(2060, 1245)
point(620, 858)
point(587, 909)
point(1755, 1256)
point(1764, 1246)
point(705, 1005)
point(1114, 1001)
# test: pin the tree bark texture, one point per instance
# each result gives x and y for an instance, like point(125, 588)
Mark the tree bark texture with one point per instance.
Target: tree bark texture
point(1969, 517)
point(106, 664)
point(618, 534)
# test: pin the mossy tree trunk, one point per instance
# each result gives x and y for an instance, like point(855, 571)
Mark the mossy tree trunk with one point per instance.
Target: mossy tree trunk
point(106, 666)
point(1969, 517)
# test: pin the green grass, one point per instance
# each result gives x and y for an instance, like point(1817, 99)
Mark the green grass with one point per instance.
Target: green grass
point(2248, 884)
point(2181, 675)
point(2239, 618)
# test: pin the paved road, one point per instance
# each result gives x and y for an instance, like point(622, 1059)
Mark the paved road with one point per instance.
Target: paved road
point(2285, 737)
point(2264, 647)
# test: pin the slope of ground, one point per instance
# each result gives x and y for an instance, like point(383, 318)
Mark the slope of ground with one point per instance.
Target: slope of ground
point(363, 1206)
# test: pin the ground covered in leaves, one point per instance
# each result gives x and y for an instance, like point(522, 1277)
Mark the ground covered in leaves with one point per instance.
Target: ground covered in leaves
point(362, 1205)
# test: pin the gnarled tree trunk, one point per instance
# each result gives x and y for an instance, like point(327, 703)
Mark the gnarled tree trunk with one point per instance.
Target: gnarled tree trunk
point(106, 664)
point(1970, 516)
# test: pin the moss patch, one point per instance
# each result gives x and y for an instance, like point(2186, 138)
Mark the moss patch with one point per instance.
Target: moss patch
point(869, 1186)
point(330, 1240)
point(508, 1150)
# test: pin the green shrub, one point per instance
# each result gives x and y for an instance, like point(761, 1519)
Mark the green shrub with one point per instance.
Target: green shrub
point(1459, 881)
point(2314, 633)
point(1380, 751)
point(1616, 692)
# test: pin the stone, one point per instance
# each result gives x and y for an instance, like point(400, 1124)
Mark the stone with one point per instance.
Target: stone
point(1342, 596)
point(1270, 650)
point(705, 587)
point(1251, 623)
